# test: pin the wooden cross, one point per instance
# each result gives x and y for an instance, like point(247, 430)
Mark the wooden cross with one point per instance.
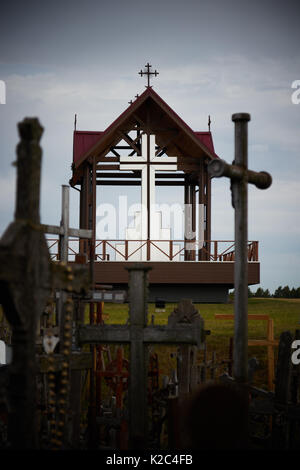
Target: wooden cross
point(148, 73)
point(27, 277)
point(64, 231)
point(240, 177)
point(139, 335)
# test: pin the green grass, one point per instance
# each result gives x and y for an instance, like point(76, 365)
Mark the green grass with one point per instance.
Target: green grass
point(285, 314)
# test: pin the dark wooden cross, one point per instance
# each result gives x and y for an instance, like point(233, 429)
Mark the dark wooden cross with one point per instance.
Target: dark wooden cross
point(65, 231)
point(240, 177)
point(139, 335)
point(148, 73)
point(27, 278)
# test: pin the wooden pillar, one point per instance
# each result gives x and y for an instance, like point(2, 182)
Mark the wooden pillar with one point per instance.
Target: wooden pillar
point(193, 202)
point(201, 200)
point(190, 219)
point(83, 212)
point(186, 202)
point(92, 221)
point(208, 211)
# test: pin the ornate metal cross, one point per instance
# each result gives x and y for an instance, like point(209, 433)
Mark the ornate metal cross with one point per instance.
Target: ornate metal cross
point(148, 73)
point(240, 177)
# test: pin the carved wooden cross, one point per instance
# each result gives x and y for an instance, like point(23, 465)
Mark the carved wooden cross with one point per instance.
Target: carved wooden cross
point(139, 335)
point(240, 177)
point(27, 278)
point(64, 231)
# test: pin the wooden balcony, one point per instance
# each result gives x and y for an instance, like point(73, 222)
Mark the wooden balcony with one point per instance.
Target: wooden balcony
point(173, 262)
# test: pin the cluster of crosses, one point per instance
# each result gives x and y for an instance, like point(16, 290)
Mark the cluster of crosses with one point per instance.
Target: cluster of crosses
point(27, 278)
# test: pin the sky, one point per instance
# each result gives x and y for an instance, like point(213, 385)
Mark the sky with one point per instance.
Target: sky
point(213, 57)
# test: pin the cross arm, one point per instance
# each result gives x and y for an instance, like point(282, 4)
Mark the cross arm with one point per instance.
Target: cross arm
point(181, 334)
point(104, 334)
point(219, 167)
point(75, 280)
point(72, 232)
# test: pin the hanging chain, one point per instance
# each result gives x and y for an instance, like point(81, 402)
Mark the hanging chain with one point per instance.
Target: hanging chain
point(58, 401)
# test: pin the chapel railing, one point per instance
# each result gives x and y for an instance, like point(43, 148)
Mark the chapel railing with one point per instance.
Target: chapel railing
point(155, 250)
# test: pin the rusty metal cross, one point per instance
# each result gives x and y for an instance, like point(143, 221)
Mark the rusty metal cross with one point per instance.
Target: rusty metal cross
point(240, 177)
point(148, 73)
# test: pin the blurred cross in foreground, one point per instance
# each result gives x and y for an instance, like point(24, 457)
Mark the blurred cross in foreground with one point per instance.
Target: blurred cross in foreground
point(240, 177)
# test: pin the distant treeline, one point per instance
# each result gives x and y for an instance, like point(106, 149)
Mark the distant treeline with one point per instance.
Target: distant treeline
point(280, 293)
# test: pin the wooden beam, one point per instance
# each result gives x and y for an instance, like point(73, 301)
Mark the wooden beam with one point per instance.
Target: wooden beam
point(130, 142)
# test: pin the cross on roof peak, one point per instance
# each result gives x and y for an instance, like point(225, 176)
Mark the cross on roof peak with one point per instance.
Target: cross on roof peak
point(148, 73)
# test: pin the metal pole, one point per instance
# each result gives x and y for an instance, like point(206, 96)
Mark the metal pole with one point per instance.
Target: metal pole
point(240, 200)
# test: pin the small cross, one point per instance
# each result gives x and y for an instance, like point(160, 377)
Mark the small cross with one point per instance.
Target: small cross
point(209, 123)
point(130, 102)
point(148, 73)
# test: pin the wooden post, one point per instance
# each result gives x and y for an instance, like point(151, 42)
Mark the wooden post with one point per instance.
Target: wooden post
point(25, 284)
point(138, 316)
point(280, 431)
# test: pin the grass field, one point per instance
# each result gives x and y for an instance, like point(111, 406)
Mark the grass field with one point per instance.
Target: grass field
point(284, 312)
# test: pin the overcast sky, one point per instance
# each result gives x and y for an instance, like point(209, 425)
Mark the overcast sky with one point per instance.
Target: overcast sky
point(213, 57)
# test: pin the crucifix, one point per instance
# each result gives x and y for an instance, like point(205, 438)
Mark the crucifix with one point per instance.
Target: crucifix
point(240, 177)
point(139, 335)
point(148, 73)
point(148, 162)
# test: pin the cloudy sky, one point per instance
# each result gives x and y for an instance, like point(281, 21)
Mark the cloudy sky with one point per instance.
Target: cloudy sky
point(214, 57)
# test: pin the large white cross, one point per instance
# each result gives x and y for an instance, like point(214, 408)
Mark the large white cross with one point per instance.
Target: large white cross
point(148, 163)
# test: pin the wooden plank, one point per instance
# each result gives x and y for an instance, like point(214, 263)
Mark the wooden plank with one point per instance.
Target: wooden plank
point(179, 272)
point(263, 342)
point(271, 361)
point(151, 334)
point(250, 317)
point(103, 333)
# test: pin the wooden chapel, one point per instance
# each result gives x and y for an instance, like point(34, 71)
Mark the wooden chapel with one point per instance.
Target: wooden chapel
point(148, 146)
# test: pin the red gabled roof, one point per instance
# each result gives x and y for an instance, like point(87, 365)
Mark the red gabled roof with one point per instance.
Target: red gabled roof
point(84, 142)
point(206, 139)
